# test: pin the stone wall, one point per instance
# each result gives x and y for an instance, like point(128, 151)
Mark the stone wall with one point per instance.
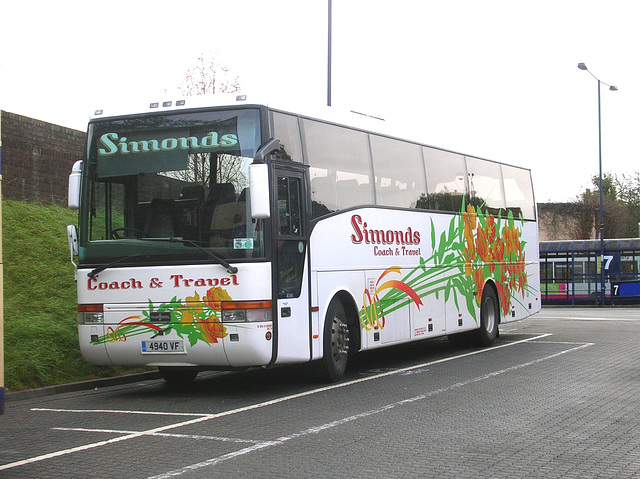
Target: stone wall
point(37, 158)
point(566, 221)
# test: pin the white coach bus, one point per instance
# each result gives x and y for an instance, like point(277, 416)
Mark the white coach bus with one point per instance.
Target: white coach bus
point(222, 233)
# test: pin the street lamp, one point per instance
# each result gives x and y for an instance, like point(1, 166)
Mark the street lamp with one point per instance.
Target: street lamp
point(582, 66)
point(329, 35)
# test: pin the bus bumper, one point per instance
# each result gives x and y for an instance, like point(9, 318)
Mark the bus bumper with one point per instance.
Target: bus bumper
point(237, 345)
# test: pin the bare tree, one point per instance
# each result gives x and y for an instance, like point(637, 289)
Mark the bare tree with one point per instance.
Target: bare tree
point(208, 76)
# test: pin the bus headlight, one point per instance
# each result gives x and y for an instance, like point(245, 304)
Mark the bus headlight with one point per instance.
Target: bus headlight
point(246, 311)
point(92, 318)
point(90, 313)
point(234, 316)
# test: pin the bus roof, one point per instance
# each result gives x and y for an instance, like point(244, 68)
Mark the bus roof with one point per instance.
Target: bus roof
point(347, 118)
point(331, 114)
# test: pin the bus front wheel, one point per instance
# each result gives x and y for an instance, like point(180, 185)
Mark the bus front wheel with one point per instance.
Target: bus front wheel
point(335, 343)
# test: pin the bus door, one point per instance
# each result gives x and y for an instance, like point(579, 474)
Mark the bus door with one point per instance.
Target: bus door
point(291, 271)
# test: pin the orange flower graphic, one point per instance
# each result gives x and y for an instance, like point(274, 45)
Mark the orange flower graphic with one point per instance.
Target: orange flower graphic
point(192, 309)
point(487, 253)
point(214, 296)
point(212, 329)
point(478, 279)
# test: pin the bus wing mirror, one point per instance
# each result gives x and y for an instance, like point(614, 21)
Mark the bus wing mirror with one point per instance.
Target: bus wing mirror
point(72, 238)
point(259, 190)
point(269, 147)
point(259, 180)
point(74, 186)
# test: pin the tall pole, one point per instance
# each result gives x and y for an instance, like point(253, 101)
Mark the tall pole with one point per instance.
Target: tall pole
point(329, 59)
point(582, 66)
point(602, 263)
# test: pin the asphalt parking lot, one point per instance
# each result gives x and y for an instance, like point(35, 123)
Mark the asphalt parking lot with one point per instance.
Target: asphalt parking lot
point(557, 396)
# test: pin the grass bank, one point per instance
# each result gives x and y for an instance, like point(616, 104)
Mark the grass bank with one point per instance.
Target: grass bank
point(41, 341)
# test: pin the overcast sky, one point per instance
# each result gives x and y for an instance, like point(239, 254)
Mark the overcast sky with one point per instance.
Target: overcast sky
point(495, 79)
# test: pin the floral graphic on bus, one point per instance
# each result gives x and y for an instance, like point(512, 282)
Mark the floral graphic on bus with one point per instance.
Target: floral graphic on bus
point(374, 316)
point(476, 247)
point(195, 318)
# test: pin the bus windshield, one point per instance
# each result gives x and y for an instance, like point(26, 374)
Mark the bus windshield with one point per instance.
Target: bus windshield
point(171, 186)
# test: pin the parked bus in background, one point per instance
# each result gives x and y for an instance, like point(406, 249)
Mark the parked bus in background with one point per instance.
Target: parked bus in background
point(222, 233)
point(570, 271)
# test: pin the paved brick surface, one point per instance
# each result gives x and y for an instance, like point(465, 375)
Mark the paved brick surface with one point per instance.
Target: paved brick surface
point(558, 396)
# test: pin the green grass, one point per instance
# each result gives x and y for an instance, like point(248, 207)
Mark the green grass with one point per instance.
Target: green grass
point(40, 329)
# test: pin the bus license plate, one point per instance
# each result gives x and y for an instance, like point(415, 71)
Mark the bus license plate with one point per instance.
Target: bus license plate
point(176, 346)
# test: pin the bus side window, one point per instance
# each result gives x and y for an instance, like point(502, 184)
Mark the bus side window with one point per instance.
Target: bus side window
point(518, 192)
point(285, 128)
point(289, 206)
point(485, 185)
point(290, 245)
point(447, 184)
point(399, 172)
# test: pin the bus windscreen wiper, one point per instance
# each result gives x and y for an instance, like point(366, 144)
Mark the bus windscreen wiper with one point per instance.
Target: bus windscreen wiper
point(94, 272)
point(230, 269)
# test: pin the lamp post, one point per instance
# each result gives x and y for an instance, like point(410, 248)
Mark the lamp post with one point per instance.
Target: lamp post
point(329, 56)
point(582, 66)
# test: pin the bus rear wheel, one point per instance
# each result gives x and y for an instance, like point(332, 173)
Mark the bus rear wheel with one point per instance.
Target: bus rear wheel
point(489, 317)
point(335, 343)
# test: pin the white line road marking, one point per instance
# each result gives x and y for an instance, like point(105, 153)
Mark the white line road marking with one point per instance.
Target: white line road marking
point(579, 318)
point(99, 443)
point(161, 434)
point(339, 422)
point(585, 318)
point(116, 411)
point(205, 417)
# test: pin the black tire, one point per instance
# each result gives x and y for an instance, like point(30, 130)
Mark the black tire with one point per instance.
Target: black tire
point(177, 377)
point(489, 317)
point(335, 343)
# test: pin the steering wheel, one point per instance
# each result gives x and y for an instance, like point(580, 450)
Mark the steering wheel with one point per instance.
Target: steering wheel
point(115, 232)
